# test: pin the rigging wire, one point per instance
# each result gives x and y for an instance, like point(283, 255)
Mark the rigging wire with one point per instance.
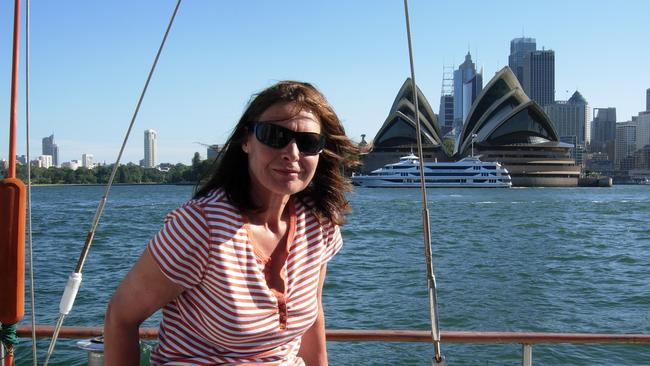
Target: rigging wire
point(431, 279)
point(30, 252)
point(74, 281)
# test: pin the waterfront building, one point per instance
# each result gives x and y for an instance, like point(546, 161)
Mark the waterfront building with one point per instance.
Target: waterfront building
point(642, 158)
point(505, 125)
point(572, 120)
point(149, 149)
point(213, 151)
point(87, 161)
point(519, 47)
point(539, 76)
point(600, 162)
point(642, 122)
point(52, 149)
point(21, 159)
point(467, 85)
point(603, 131)
point(603, 139)
point(165, 167)
point(446, 113)
point(44, 161)
point(625, 145)
point(73, 164)
point(397, 136)
point(633, 145)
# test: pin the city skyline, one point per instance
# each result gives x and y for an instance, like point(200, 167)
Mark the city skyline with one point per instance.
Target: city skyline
point(89, 62)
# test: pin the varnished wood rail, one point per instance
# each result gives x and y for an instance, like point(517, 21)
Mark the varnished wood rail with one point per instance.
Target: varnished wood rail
point(526, 339)
point(377, 335)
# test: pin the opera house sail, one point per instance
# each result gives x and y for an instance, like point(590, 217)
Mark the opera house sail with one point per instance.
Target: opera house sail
point(397, 135)
point(507, 126)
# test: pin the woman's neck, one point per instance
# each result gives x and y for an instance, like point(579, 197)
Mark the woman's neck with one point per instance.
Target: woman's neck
point(270, 213)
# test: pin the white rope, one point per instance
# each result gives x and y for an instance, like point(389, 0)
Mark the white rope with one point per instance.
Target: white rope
point(74, 280)
point(30, 251)
point(431, 279)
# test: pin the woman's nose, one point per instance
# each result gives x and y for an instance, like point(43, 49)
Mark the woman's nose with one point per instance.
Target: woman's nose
point(291, 151)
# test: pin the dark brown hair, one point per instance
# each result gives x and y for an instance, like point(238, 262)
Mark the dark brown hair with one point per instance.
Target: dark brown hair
point(326, 192)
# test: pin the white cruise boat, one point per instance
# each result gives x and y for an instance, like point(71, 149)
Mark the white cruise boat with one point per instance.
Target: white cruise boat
point(468, 172)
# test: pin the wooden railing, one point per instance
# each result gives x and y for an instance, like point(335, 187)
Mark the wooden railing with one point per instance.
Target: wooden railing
point(526, 339)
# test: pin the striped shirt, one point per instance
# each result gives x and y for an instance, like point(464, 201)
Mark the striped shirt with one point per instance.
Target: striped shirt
point(229, 314)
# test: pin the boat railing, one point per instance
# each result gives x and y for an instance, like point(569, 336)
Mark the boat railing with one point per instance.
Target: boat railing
point(526, 339)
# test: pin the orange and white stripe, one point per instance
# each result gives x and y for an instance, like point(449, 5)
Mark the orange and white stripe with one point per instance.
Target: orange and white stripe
point(228, 314)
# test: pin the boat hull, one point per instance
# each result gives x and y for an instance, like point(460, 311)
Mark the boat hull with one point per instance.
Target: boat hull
point(375, 183)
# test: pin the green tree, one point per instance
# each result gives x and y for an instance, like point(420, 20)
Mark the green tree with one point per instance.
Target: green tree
point(153, 176)
point(176, 173)
point(448, 145)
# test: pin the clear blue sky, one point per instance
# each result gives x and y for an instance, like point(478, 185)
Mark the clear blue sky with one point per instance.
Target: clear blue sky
point(89, 61)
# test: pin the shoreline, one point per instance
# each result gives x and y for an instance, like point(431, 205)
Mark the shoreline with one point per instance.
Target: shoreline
point(114, 184)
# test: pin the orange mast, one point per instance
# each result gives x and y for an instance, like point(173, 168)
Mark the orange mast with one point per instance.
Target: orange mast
point(12, 217)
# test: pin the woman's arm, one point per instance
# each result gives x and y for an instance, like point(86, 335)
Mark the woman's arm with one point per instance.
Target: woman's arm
point(144, 290)
point(313, 349)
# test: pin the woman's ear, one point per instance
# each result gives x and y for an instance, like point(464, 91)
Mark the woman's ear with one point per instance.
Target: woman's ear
point(244, 145)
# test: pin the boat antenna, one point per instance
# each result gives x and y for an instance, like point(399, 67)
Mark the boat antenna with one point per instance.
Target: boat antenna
point(474, 136)
point(74, 281)
point(431, 279)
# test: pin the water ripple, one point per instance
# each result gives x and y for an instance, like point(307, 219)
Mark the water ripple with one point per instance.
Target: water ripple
point(559, 260)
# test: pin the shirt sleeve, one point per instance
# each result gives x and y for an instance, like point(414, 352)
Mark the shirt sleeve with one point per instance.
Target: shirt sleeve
point(181, 247)
point(333, 242)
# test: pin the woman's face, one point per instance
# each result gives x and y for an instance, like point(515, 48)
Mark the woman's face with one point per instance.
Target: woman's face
point(280, 172)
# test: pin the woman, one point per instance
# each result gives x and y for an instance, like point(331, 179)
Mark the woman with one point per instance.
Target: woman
point(239, 269)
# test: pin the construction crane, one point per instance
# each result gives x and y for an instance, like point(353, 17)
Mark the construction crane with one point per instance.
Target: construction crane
point(212, 150)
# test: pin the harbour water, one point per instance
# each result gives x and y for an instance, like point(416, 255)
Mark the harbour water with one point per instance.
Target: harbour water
point(530, 259)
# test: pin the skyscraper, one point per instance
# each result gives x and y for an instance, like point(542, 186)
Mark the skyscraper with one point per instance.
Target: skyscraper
point(625, 145)
point(642, 122)
point(467, 85)
point(571, 119)
point(603, 131)
point(539, 76)
point(446, 111)
point(44, 161)
point(519, 47)
point(52, 149)
point(87, 161)
point(149, 149)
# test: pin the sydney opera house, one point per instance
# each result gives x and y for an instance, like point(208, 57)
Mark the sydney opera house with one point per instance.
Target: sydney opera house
point(503, 124)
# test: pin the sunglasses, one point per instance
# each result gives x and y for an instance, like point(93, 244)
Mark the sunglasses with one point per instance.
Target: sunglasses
point(277, 137)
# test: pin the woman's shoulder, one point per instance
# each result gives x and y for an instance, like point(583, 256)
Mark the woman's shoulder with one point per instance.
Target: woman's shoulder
point(213, 206)
point(306, 209)
point(215, 197)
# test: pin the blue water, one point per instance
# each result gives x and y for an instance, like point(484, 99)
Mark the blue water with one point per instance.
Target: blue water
point(530, 259)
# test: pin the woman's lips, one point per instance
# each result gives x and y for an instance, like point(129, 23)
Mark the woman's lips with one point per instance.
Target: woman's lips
point(288, 172)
